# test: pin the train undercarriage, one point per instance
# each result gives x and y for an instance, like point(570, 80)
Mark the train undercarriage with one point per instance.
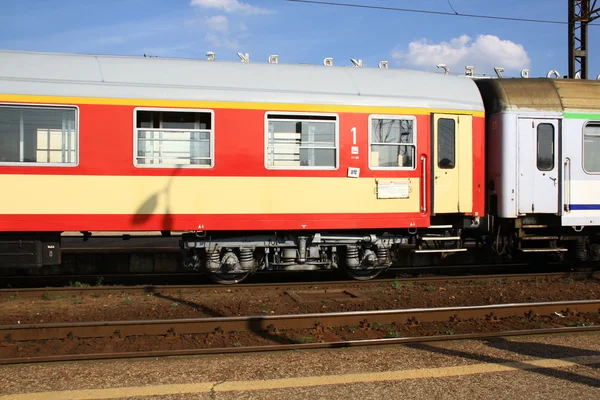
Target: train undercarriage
point(230, 257)
point(542, 235)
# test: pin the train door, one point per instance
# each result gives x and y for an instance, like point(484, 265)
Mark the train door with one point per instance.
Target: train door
point(537, 167)
point(452, 163)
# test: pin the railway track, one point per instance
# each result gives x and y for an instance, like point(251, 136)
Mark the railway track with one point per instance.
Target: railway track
point(140, 289)
point(174, 278)
point(276, 327)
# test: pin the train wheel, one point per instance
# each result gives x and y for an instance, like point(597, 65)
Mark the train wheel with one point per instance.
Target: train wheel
point(227, 278)
point(363, 274)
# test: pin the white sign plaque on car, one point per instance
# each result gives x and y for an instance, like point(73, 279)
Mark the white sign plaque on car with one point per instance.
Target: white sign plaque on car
point(353, 172)
point(393, 189)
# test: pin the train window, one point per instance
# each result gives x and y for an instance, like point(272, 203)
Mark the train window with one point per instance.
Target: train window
point(545, 147)
point(301, 141)
point(591, 147)
point(173, 138)
point(392, 142)
point(38, 135)
point(446, 143)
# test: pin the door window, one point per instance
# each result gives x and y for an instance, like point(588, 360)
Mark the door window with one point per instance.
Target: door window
point(446, 143)
point(545, 147)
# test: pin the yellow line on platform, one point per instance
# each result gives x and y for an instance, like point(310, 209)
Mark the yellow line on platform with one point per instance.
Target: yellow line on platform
point(308, 381)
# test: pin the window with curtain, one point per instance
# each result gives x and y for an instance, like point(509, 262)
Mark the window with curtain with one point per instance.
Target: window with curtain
point(174, 138)
point(301, 141)
point(591, 147)
point(392, 143)
point(38, 135)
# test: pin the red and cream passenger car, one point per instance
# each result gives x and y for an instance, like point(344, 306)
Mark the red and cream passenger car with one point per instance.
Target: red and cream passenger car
point(261, 165)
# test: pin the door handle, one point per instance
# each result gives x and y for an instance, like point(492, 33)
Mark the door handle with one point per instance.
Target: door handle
point(567, 184)
point(424, 178)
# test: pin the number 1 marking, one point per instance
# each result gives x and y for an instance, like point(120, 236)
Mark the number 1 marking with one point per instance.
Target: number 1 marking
point(353, 130)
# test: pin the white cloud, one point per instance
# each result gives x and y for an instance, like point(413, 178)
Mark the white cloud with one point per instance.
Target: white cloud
point(485, 53)
point(231, 6)
point(218, 23)
point(218, 33)
point(221, 41)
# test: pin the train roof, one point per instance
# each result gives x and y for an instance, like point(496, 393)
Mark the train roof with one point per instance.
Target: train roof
point(540, 94)
point(51, 74)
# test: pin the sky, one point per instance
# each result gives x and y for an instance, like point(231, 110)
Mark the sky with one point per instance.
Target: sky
point(304, 33)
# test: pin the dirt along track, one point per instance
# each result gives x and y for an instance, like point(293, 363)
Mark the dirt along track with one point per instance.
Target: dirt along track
point(63, 323)
point(118, 339)
point(77, 288)
point(111, 303)
point(108, 276)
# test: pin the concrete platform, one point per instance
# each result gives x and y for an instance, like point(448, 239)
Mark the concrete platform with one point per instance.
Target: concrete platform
point(537, 367)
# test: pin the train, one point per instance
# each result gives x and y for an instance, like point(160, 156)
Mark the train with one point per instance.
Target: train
point(294, 167)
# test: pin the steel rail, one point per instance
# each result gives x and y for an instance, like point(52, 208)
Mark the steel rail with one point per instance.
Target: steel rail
point(141, 289)
point(299, 346)
point(174, 327)
point(273, 276)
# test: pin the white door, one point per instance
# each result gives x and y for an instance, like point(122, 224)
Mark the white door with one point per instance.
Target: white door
point(538, 184)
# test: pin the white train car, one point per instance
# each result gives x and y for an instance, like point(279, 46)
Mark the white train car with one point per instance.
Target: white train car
point(543, 164)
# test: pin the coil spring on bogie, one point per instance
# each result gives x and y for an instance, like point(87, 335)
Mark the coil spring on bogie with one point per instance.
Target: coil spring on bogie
point(246, 255)
point(351, 252)
point(580, 249)
point(214, 256)
point(382, 254)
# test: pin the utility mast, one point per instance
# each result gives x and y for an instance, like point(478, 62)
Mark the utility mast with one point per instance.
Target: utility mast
point(581, 13)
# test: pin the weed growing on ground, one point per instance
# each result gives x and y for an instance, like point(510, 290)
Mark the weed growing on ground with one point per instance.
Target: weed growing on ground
point(127, 301)
point(447, 332)
point(75, 284)
point(13, 297)
point(578, 323)
point(429, 288)
point(77, 300)
point(306, 339)
point(391, 333)
point(395, 284)
point(46, 296)
point(375, 325)
point(100, 281)
point(174, 304)
point(237, 344)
